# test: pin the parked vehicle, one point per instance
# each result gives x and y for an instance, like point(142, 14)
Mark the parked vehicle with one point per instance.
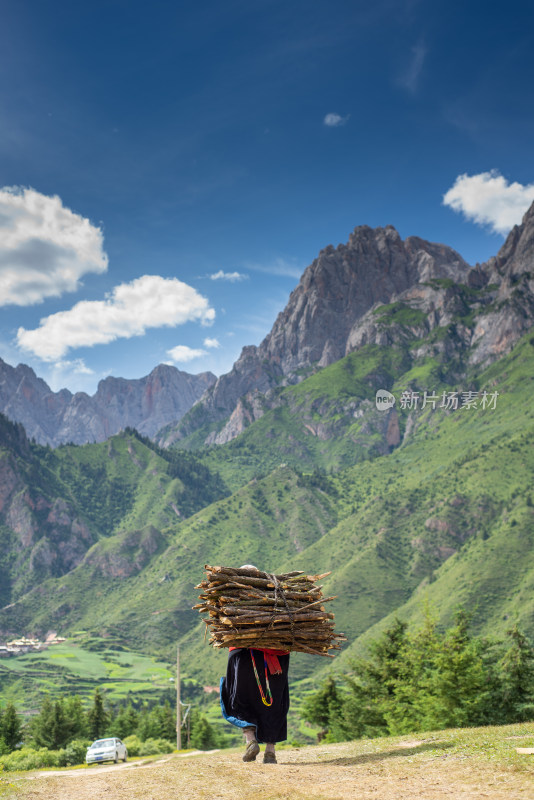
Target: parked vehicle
point(106, 750)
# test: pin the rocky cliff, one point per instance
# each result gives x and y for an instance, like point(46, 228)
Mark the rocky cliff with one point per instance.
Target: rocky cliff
point(377, 289)
point(313, 330)
point(474, 321)
point(54, 418)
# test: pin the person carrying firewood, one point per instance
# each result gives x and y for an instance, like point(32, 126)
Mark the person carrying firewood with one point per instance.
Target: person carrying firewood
point(255, 697)
point(262, 617)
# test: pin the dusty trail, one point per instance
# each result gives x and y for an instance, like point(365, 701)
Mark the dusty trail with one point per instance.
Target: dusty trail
point(412, 770)
point(103, 769)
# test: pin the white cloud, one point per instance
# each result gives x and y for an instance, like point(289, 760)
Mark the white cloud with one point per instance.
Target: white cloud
point(181, 353)
point(228, 276)
point(77, 366)
point(147, 302)
point(214, 343)
point(488, 199)
point(335, 120)
point(409, 79)
point(44, 247)
point(75, 374)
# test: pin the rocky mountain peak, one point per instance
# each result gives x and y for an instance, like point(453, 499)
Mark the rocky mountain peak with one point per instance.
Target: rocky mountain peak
point(515, 256)
point(335, 291)
point(54, 418)
point(341, 284)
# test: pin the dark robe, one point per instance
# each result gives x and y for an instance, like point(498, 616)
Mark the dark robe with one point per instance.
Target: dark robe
point(241, 701)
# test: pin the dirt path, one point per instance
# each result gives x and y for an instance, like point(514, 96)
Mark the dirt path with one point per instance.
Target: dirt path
point(410, 770)
point(101, 769)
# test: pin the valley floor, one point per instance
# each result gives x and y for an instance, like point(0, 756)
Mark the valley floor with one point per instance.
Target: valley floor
point(456, 764)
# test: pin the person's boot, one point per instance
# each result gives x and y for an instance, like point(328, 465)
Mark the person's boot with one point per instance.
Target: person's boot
point(253, 747)
point(269, 756)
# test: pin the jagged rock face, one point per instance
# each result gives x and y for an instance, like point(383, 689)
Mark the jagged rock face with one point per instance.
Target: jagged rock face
point(336, 309)
point(511, 271)
point(516, 256)
point(498, 296)
point(485, 314)
point(245, 412)
point(146, 404)
point(9, 481)
point(28, 399)
point(342, 284)
point(335, 291)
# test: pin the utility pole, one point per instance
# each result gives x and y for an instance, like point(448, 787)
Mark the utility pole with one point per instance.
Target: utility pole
point(178, 703)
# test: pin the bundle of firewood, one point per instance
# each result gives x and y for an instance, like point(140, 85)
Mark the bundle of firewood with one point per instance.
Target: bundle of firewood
point(250, 608)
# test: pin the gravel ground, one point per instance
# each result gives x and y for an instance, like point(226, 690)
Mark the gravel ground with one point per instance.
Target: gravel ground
point(407, 770)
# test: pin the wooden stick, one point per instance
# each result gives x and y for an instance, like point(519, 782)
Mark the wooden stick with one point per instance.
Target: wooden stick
point(247, 607)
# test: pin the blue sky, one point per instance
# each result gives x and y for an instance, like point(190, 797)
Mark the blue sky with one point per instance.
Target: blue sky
point(178, 165)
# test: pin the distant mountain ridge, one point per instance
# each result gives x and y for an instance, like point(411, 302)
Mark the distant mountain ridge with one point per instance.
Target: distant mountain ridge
point(55, 418)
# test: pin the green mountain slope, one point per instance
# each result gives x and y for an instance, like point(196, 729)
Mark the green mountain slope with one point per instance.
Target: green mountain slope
point(55, 504)
point(139, 584)
point(329, 419)
point(319, 423)
point(444, 517)
point(128, 482)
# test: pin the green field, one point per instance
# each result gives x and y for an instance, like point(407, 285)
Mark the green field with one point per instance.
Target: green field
point(75, 667)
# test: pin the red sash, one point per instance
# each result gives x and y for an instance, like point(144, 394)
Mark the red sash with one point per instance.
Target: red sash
point(271, 658)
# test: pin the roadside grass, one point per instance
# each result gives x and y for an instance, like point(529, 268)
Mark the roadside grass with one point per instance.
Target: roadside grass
point(495, 744)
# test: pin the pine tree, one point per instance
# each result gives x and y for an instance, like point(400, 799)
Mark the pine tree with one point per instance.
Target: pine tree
point(444, 680)
point(149, 725)
point(97, 716)
point(49, 728)
point(77, 722)
point(59, 727)
point(322, 706)
point(371, 686)
point(167, 722)
point(409, 690)
point(10, 727)
point(419, 680)
point(517, 678)
point(40, 725)
point(458, 685)
point(203, 736)
point(126, 722)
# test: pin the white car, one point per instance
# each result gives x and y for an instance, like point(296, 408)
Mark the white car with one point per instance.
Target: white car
point(106, 750)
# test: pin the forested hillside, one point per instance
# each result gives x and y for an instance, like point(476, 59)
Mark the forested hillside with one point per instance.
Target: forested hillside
point(425, 501)
point(445, 517)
